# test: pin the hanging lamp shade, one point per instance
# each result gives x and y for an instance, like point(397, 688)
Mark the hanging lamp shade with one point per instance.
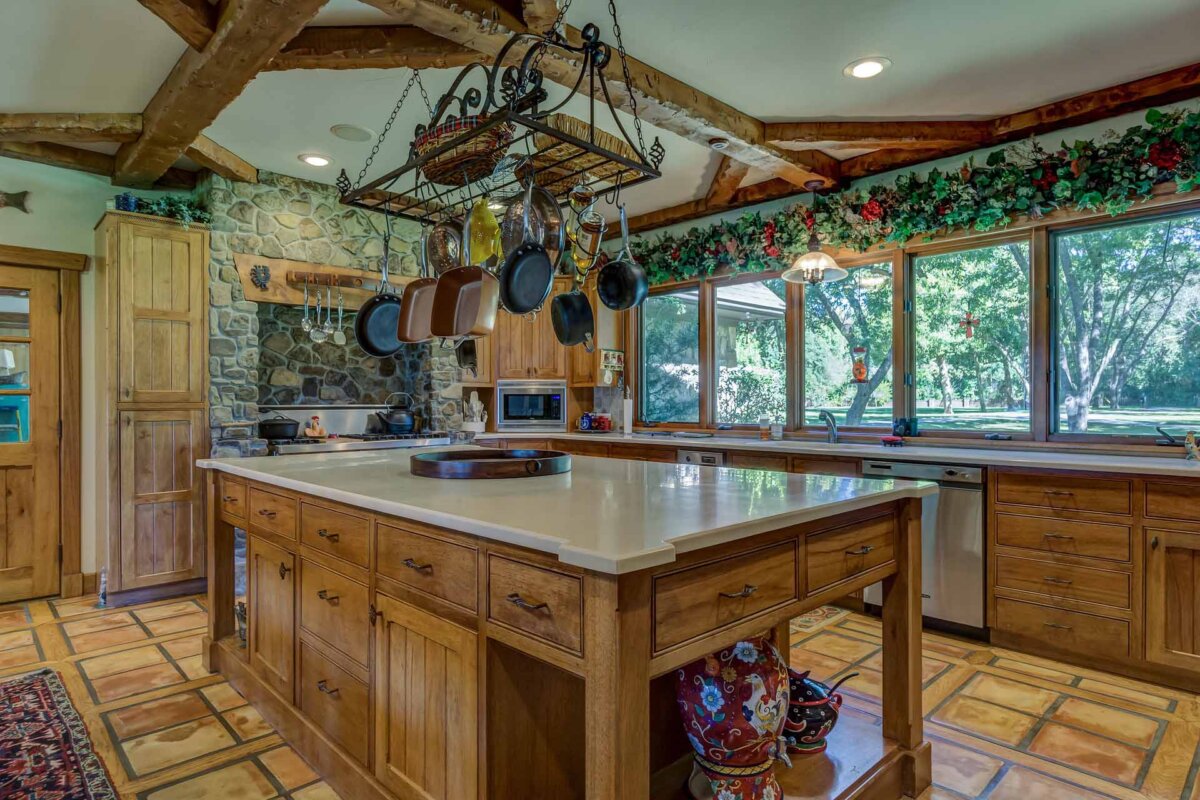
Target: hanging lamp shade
point(814, 266)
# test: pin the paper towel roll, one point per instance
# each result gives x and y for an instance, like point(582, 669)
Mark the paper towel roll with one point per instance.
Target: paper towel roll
point(627, 416)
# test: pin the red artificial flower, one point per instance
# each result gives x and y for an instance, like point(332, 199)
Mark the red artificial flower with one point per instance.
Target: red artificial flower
point(769, 232)
point(1165, 155)
point(1077, 167)
point(674, 253)
point(810, 219)
point(772, 251)
point(1048, 179)
point(943, 210)
point(871, 211)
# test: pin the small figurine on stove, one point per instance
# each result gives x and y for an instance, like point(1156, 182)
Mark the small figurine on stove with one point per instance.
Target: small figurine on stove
point(314, 430)
point(1191, 448)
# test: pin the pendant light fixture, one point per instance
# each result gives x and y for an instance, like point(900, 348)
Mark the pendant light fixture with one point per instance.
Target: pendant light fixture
point(814, 266)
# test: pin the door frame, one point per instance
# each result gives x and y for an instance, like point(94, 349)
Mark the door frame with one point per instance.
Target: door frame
point(69, 267)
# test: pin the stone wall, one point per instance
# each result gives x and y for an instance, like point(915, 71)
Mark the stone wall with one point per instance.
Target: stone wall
point(284, 217)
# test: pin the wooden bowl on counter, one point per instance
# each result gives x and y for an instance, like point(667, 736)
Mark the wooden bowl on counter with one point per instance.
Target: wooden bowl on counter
point(479, 464)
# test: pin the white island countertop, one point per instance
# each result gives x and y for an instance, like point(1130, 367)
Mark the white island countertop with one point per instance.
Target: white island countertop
point(608, 515)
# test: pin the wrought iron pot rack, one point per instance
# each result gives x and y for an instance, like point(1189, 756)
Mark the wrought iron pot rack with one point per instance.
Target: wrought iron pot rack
point(513, 95)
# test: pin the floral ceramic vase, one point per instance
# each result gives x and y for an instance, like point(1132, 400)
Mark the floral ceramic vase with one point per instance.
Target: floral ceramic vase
point(733, 704)
point(812, 713)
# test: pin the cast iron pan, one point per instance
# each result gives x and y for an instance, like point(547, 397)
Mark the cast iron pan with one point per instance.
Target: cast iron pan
point(622, 282)
point(571, 315)
point(528, 273)
point(379, 318)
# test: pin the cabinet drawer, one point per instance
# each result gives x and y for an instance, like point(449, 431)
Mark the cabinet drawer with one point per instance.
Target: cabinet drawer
point(273, 512)
point(541, 602)
point(826, 466)
point(635, 452)
point(757, 461)
point(435, 566)
point(1072, 631)
point(528, 444)
point(1173, 500)
point(231, 495)
point(599, 449)
point(336, 609)
point(1085, 584)
point(844, 552)
point(700, 599)
point(337, 533)
point(1064, 493)
point(335, 700)
point(1066, 537)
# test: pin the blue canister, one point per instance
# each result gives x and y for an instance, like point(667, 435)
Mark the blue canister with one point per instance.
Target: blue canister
point(585, 422)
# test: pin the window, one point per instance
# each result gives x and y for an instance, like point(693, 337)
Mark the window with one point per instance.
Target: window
point(751, 348)
point(1127, 327)
point(670, 352)
point(848, 348)
point(971, 339)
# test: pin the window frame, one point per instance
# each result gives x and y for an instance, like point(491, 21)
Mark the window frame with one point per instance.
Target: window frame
point(638, 364)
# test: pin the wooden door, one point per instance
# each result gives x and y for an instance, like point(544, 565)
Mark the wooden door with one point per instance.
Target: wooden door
point(162, 510)
point(162, 317)
point(547, 355)
point(510, 344)
point(272, 613)
point(29, 444)
point(426, 693)
point(1173, 598)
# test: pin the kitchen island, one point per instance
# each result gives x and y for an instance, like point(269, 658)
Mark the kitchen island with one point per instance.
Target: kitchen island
point(518, 638)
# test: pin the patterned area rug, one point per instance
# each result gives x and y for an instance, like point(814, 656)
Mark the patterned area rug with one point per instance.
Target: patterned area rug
point(45, 752)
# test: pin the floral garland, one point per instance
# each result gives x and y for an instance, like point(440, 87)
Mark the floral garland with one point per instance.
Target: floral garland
point(1111, 173)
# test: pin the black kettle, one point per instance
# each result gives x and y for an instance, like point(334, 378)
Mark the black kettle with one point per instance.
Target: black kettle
point(398, 418)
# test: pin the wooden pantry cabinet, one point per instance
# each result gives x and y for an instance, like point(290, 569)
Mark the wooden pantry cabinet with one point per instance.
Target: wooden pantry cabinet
point(151, 361)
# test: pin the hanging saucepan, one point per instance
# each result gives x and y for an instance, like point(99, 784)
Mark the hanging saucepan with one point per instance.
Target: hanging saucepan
point(442, 248)
point(622, 283)
point(376, 325)
point(416, 314)
point(528, 273)
point(465, 303)
point(571, 315)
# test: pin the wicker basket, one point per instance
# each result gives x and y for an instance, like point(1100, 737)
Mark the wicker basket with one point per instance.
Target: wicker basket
point(468, 162)
point(562, 164)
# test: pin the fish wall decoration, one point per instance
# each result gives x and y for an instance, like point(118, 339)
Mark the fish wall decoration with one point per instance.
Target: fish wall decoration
point(18, 200)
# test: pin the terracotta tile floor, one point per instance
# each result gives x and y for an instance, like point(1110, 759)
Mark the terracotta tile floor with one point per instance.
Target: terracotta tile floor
point(1004, 725)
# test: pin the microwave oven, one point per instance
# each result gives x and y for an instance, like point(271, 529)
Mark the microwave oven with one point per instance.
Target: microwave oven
point(531, 406)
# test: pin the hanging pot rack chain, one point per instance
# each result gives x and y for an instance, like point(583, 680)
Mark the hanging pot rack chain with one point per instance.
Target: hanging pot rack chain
point(415, 78)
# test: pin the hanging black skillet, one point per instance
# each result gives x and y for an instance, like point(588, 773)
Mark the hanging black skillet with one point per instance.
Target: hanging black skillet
point(528, 274)
point(378, 319)
point(622, 282)
point(572, 318)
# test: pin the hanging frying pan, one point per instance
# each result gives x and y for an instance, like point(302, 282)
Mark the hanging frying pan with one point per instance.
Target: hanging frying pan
point(416, 313)
point(528, 273)
point(622, 283)
point(376, 324)
point(465, 303)
point(572, 318)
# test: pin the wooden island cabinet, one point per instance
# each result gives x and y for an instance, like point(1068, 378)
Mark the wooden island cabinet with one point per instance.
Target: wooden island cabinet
point(408, 660)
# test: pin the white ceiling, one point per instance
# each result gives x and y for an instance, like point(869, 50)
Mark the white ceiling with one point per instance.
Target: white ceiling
point(776, 59)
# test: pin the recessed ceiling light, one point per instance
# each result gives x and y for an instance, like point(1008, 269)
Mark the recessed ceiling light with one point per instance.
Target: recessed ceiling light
point(718, 143)
point(352, 133)
point(866, 67)
point(315, 159)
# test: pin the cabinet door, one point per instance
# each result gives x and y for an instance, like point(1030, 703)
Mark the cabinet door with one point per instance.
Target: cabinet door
point(485, 371)
point(546, 354)
point(426, 741)
point(162, 315)
point(510, 348)
point(162, 511)
point(272, 611)
point(1173, 598)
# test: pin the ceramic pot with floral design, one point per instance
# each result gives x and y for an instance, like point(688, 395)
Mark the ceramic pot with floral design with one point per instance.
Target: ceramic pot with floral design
point(733, 704)
point(812, 712)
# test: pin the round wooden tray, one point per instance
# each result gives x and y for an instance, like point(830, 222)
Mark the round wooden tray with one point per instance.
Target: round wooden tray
point(480, 463)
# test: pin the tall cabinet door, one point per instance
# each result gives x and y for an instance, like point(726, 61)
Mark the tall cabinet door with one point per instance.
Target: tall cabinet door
point(547, 354)
point(162, 510)
point(161, 321)
point(425, 704)
point(1173, 598)
point(271, 572)
point(509, 346)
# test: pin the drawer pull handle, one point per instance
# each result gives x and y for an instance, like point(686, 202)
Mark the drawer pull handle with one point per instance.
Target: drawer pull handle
point(1058, 493)
point(413, 565)
point(746, 591)
point(331, 599)
point(1060, 536)
point(229, 499)
point(332, 537)
point(521, 602)
point(862, 551)
point(283, 571)
point(323, 688)
point(1059, 581)
point(1057, 626)
point(263, 512)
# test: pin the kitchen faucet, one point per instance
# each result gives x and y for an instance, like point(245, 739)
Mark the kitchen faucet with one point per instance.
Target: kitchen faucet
point(831, 435)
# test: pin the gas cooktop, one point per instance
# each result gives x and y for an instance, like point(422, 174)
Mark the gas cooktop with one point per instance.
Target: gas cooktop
point(356, 441)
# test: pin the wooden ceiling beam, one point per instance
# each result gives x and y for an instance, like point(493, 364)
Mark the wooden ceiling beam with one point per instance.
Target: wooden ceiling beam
point(539, 15)
point(70, 127)
point(210, 155)
point(663, 101)
point(90, 161)
point(727, 180)
point(194, 20)
point(371, 47)
point(203, 83)
point(879, 135)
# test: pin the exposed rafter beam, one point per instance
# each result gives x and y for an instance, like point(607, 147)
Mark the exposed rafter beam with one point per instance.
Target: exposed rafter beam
point(193, 20)
point(888, 160)
point(203, 83)
point(374, 47)
point(539, 15)
point(70, 127)
point(663, 101)
point(207, 153)
point(726, 182)
point(80, 160)
point(878, 135)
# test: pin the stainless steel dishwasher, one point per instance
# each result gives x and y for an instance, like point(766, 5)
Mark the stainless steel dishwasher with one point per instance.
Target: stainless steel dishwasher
point(952, 562)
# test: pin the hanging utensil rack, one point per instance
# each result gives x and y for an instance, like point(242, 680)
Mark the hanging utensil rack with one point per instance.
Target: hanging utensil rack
point(513, 96)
